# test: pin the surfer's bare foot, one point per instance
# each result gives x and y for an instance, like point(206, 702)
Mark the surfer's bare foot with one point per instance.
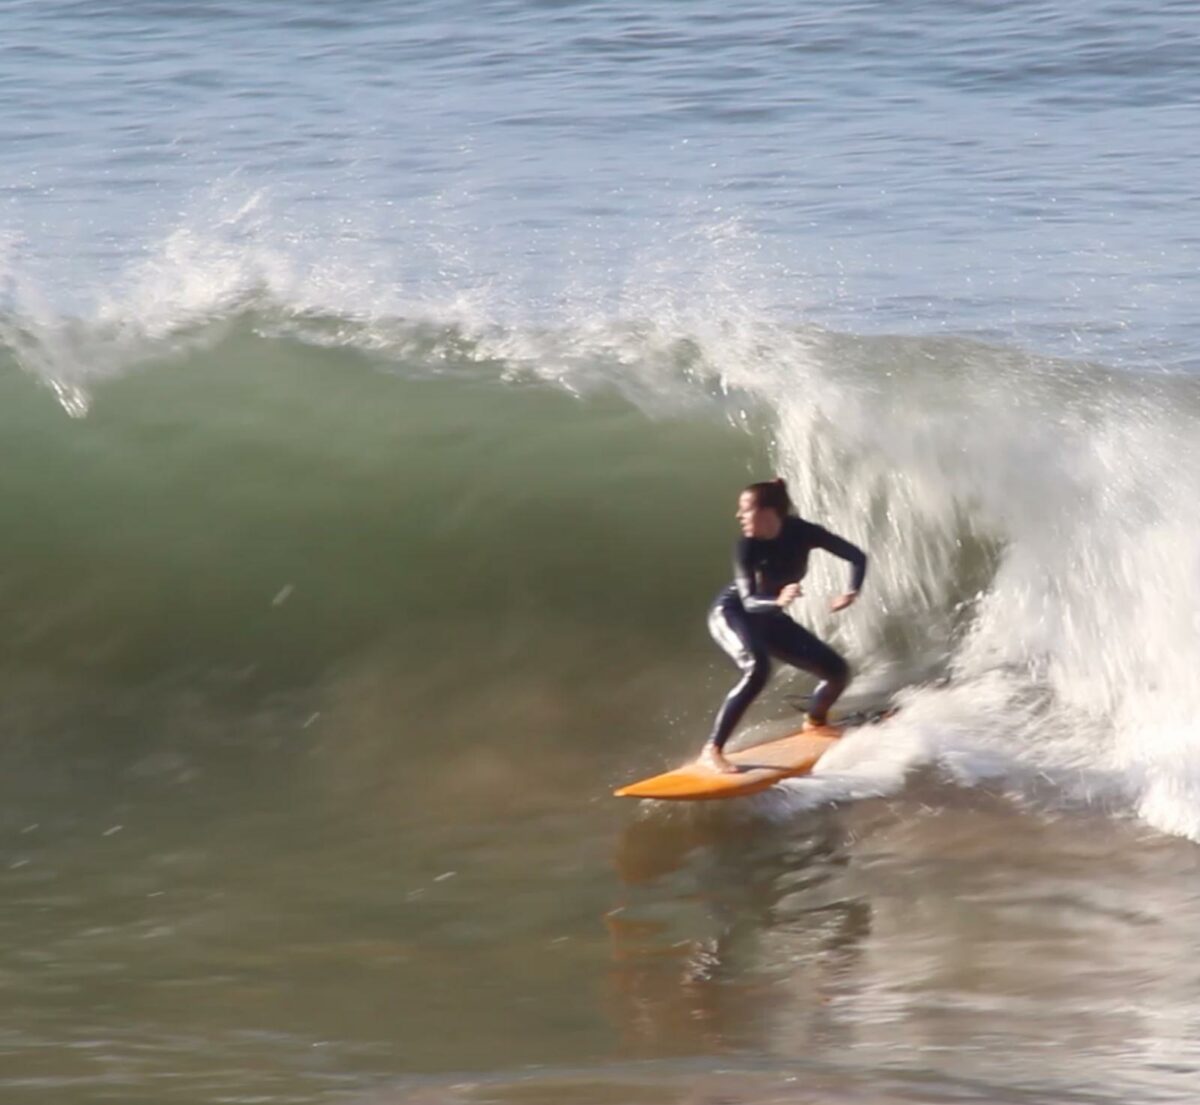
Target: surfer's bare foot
point(714, 759)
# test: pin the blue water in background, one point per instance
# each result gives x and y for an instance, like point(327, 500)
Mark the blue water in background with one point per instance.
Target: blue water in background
point(1021, 171)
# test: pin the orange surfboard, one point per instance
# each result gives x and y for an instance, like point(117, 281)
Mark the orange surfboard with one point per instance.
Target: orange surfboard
point(758, 767)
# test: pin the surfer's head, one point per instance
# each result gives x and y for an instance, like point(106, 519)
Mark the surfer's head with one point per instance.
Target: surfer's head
point(762, 508)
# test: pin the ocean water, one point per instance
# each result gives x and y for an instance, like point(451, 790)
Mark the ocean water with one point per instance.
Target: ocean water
point(376, 383)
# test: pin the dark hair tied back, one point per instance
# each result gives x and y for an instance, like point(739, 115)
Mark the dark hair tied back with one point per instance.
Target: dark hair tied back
point(772, 494)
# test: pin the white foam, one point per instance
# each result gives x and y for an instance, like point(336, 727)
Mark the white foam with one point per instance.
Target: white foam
point(1079, 656)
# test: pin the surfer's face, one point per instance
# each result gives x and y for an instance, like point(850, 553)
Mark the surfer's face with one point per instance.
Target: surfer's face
point(756, 521)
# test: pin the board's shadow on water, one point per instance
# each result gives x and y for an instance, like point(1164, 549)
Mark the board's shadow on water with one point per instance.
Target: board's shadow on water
point(703, 891)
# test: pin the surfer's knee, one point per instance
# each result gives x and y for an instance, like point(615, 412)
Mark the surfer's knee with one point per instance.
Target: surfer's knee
point(756, 670)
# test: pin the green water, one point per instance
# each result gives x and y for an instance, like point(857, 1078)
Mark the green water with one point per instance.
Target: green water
point(316, 679)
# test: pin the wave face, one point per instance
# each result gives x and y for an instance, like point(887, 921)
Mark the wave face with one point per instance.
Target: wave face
point(249, 489)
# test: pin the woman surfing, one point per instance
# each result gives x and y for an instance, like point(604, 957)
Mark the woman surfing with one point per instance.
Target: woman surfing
point(749, 618)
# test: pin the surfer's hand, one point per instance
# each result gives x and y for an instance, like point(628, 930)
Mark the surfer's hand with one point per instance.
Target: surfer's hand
point(789, 594)
point(842, 601)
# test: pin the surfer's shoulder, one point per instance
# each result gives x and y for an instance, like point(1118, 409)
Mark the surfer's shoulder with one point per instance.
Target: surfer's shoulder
point(802, 529)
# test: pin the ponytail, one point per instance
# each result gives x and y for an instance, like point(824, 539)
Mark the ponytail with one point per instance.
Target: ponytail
point(773, 495)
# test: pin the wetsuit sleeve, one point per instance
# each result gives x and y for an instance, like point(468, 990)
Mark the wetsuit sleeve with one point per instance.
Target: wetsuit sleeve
point(743, 579)
point(839, 546)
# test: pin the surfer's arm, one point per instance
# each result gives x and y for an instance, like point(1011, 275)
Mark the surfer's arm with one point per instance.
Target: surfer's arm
point(743, 579)
point(840, 547)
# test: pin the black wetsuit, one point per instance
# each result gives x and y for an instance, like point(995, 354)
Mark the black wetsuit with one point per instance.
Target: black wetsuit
point(751, 627)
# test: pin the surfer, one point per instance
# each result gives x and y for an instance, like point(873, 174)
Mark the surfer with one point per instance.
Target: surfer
point(749, 618)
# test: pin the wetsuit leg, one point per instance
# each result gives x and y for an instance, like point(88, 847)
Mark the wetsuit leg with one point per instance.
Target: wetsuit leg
point(793, 644)
point(734, 630)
